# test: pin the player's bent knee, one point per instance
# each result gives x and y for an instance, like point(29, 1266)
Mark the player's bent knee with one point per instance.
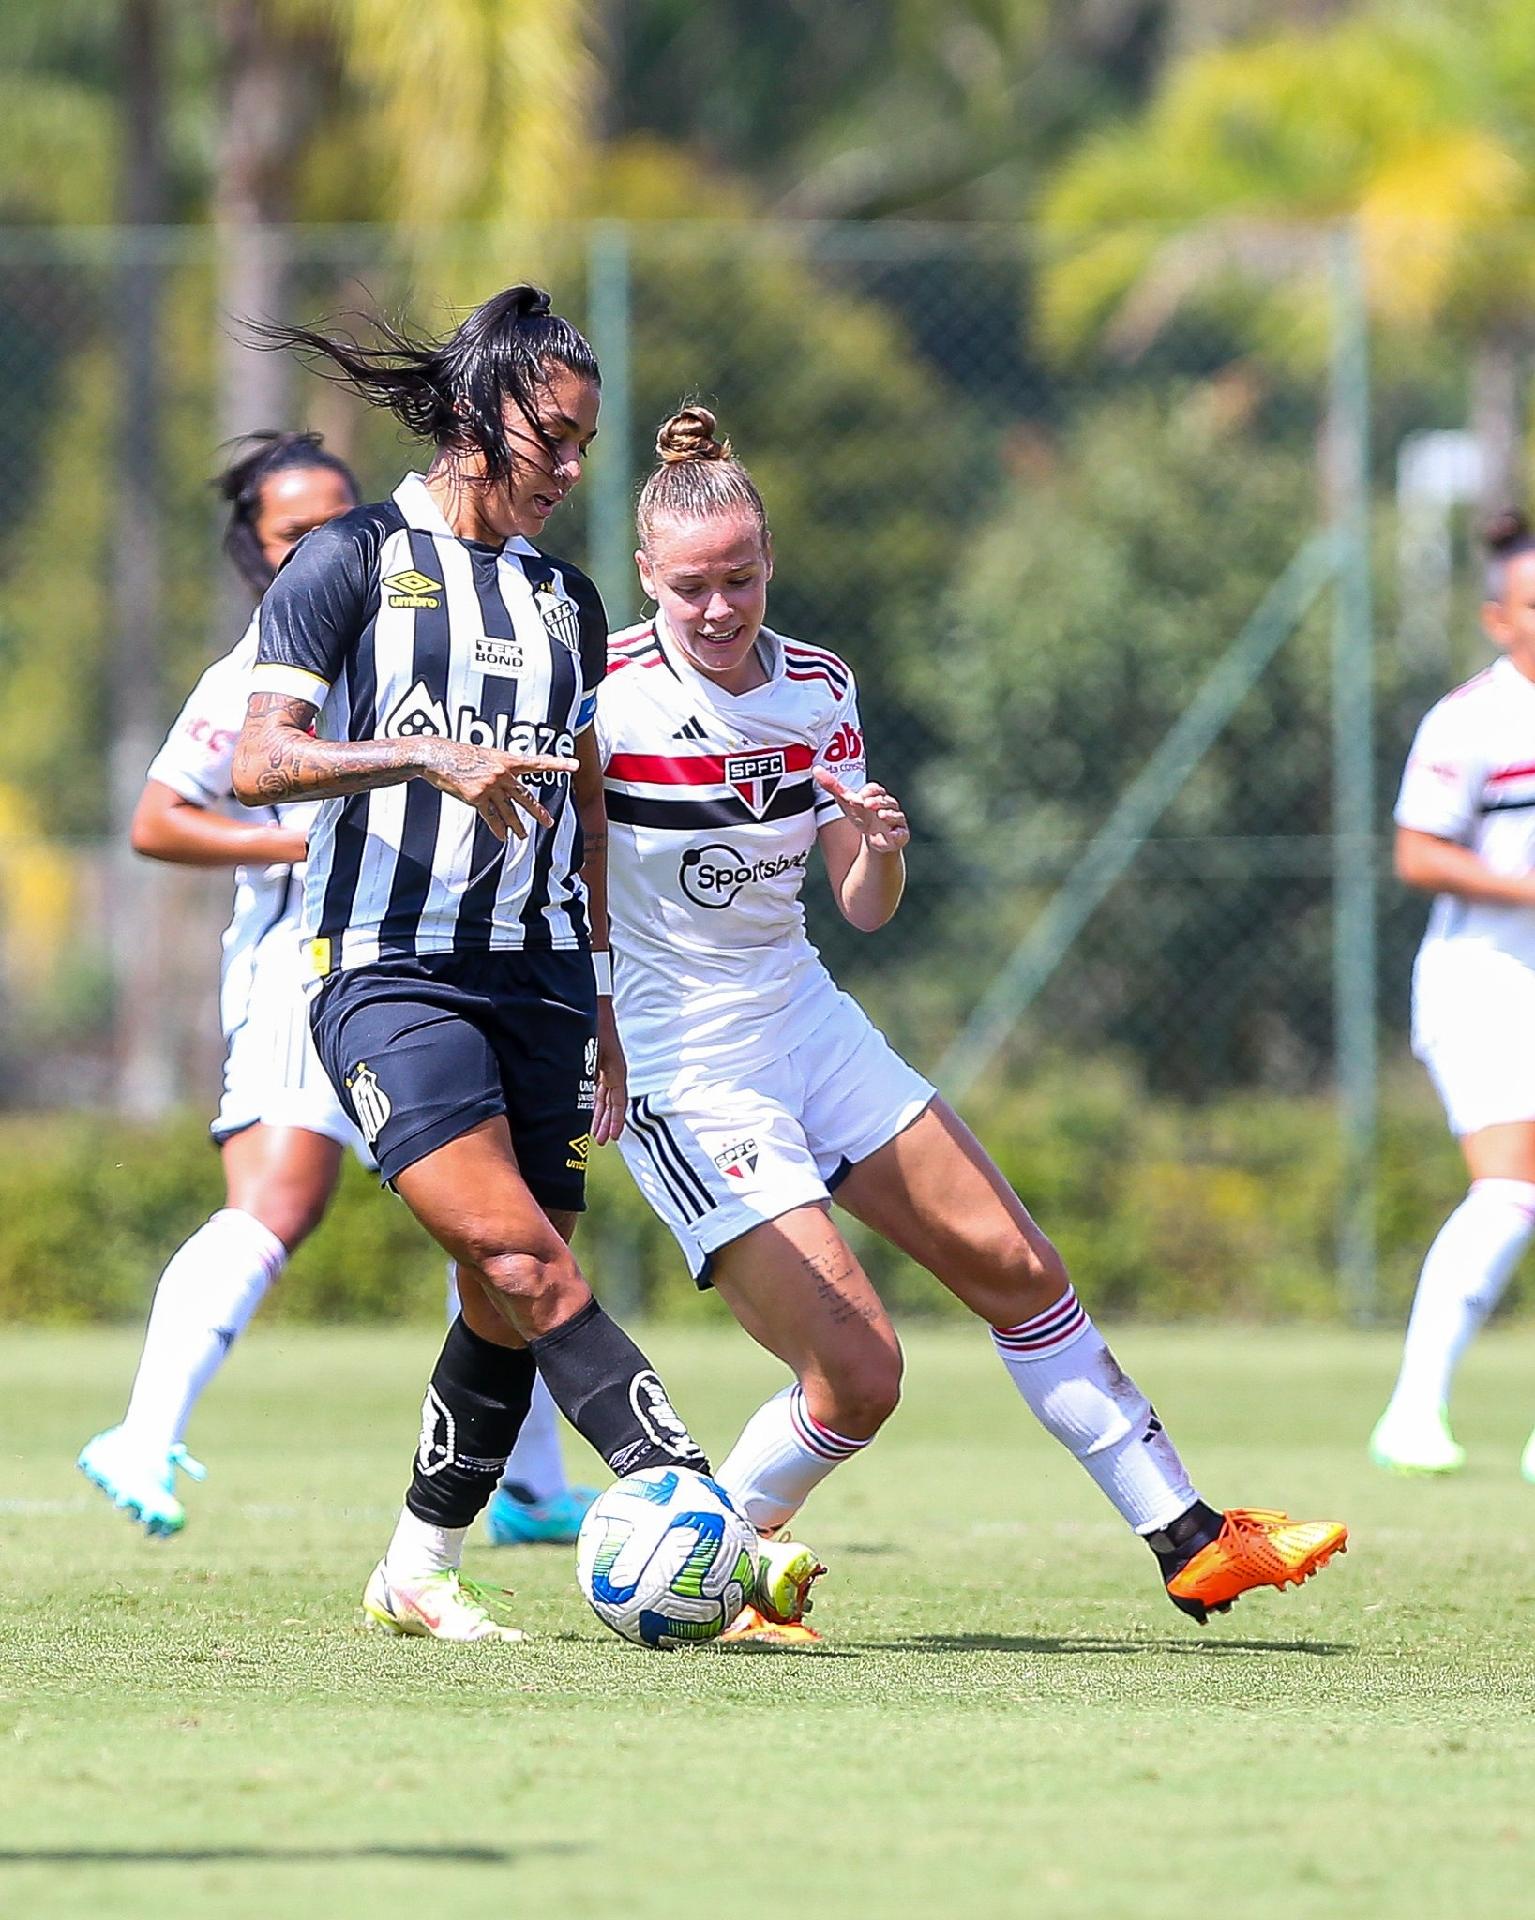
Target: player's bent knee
point(1024, 1278)
point(542, 1288)
point(864, 1394)
point(291, 1214)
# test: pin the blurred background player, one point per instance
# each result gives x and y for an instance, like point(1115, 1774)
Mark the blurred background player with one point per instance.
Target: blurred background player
point(424, 668)
point(1466, 833)
point(758, 1089)
point(280, 1129)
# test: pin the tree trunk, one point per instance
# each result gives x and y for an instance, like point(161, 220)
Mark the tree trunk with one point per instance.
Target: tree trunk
point(142, 1068)
point(266, 103)
point(263, 109)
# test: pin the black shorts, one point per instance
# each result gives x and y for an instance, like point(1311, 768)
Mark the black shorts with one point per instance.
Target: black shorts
point(422, 1048)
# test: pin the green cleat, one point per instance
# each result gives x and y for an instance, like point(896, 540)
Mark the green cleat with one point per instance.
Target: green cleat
point(434, 1606)
point(1417, 1443)
point(141, 1484)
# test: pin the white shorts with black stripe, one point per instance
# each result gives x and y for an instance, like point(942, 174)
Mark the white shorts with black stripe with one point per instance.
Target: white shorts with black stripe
point(272, 1074)
point(717, 1157)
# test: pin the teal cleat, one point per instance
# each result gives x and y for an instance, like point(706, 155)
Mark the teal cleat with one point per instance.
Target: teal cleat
point(141, 1484)
point(510, 1522)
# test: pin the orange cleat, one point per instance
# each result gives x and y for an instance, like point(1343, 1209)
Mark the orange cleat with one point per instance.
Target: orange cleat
point(1256, 1547)
point(753, 1629)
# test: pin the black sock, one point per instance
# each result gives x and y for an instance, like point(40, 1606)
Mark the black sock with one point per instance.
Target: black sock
point(470, 1420)
point(1176, 1544)
point(612, 1396)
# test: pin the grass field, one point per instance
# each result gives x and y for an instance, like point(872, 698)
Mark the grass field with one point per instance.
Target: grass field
point(1008, 1718)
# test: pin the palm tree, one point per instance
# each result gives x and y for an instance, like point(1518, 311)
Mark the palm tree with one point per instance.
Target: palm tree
point(364, 109)
point(1414, 123)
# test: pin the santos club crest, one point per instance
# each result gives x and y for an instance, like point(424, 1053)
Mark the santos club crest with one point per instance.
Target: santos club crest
point(756, 776)
point(559, 616)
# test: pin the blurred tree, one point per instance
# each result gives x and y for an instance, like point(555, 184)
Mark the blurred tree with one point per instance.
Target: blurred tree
point(1414, 121)
point(1081, 613)
point(907, 107)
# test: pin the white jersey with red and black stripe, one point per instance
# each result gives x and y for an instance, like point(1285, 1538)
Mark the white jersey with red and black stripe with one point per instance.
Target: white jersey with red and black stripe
point(197, 762)
point(713, 813)
point(1470, 778)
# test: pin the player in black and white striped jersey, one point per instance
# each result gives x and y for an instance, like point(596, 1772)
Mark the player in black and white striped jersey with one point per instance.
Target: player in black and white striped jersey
point(489, 644)
point(431, 676)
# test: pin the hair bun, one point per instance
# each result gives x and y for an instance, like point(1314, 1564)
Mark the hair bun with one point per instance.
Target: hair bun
point(689, 435)
point(1505, 530)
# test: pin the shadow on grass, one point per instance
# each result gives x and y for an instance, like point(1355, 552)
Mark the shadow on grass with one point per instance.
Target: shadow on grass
point(819, 1650)
point(275, 1856)
point(1093, 1643)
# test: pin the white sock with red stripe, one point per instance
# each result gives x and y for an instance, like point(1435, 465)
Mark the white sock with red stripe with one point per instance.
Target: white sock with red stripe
point(1463, 1278)
point(206, 1296)
point(1077, 1390)
point(783, 1454)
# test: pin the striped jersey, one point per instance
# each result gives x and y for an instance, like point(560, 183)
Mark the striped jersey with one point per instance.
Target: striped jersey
point(197, 762)
point(712, 814)
point(394, 628)
point(1470, 778)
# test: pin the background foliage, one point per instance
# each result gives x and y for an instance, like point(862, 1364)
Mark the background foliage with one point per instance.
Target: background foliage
point(1021, 313)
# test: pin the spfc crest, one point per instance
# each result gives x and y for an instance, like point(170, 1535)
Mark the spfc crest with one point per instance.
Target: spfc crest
point(756, 776)
point(559, 616)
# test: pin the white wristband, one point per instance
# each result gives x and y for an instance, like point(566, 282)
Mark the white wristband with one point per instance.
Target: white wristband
point(602, 966)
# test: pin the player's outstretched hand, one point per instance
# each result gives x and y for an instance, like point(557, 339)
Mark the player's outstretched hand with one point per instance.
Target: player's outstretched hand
point(612, 1079)
point(493, 783)
point(875, 812)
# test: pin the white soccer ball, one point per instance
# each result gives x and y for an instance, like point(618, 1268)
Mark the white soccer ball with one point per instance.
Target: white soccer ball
point(664, 1558)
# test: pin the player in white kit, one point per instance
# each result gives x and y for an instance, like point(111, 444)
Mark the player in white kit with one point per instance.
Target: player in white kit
point(1466, 833)
point(280, 1129)
point(757, 1088)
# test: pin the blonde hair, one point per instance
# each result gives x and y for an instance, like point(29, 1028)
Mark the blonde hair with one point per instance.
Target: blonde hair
point(697, 477)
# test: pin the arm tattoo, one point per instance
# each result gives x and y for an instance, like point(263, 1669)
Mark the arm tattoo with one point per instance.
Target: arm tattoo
point(278, 758)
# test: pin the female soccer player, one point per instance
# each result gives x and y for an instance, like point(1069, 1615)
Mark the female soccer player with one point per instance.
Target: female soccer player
point(1466, 833)
point(280, 1129)
point(757, 1088)
point(426, 671)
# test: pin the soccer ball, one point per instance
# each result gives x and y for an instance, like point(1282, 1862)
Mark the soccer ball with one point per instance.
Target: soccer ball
point(664, 1558)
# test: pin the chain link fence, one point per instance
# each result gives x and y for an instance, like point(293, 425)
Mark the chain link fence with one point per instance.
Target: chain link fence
point(1039, 548)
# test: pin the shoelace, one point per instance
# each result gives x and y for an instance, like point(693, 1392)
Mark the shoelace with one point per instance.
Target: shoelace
point(1255, 1519)
point(491, 1601)
point(193, 1469)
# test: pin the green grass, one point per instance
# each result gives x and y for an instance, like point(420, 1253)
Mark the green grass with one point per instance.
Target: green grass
point(1008, 1719)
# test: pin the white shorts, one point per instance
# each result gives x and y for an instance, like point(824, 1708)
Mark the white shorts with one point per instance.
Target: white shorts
point(272, 1074)
point(716, 1158)
point(1473, 1027)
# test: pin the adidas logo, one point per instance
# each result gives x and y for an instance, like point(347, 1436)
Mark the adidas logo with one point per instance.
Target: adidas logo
point(692, 730)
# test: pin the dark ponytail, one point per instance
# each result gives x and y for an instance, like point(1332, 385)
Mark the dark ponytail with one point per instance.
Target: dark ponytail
point(241, 483)
point(453, 392)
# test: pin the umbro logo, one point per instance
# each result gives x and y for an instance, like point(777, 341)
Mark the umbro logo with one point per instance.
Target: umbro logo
point(413, 589)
